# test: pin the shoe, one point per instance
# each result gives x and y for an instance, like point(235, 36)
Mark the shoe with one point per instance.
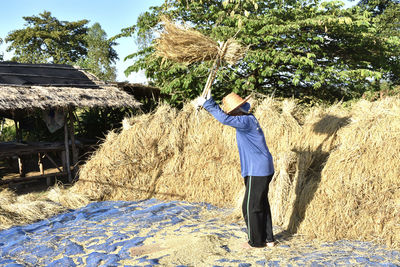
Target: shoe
point(271, 244)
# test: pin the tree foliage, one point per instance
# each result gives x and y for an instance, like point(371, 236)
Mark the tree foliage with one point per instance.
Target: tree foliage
point(378, 7)
point(45, 39)
point(386, 17)
point(306, 49)
point(100, 54)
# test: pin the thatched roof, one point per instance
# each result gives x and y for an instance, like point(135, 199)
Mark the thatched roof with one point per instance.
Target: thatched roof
point(29, 86)
point(28, 97)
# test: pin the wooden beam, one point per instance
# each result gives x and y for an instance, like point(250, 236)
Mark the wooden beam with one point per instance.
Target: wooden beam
point(10, 149)
point(52, 161)
point(24, 179)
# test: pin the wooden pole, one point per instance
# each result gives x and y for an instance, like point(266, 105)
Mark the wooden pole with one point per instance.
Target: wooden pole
point(41, 168)
point(21, 167)
point(18, 133)
point(63, 161)
point(67, 148)
point(54, 163)
point(18, 136)
point(40, 163)
point(72, 135)
point(2, 126)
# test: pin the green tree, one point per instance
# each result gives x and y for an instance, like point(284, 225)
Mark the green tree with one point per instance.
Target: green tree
point(386, 16)
point(378, 7)
point(306, 49)
point(101, 55)
point(45, 39)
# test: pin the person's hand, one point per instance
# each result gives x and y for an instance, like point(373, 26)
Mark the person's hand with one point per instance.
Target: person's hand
point(199, 101)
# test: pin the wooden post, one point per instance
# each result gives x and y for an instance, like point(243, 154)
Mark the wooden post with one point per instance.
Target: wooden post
point(21, 167)
point(64, 161)
point(18, 136)
point(73, 145)
point(40, 163)
point(2, 126)
point(41, 169)
point(67, 149)
point(18, 132)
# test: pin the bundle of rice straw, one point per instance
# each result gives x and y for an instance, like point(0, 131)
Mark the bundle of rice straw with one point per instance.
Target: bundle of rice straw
point(185, 45)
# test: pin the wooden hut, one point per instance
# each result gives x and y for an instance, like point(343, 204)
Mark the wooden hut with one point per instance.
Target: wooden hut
point(28, 87)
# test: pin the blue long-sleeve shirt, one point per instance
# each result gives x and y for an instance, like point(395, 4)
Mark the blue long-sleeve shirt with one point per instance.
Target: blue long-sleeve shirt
point(255, 158)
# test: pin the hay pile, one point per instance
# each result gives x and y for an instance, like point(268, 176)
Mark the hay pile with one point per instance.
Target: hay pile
point(336, 169)
point(359, 192)
point(167, 155)
point(28, 208)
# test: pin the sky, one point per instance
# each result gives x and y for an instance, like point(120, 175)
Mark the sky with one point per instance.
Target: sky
point(113, 15)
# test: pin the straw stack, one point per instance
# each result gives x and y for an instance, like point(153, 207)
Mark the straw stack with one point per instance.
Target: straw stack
point(358, 196)
point(157, 160)
point(185, 45)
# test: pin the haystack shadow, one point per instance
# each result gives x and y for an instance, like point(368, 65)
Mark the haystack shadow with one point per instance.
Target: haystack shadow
point(309, 178)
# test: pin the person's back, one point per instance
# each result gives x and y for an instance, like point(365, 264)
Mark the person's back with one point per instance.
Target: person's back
point(255, 158)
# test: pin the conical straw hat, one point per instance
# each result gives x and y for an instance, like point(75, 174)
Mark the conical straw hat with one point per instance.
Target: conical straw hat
point(232, 102)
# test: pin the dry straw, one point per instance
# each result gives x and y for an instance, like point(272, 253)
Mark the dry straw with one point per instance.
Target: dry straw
point(336, 169)
point(186, 45)
point(359, 189)
point(28, 208)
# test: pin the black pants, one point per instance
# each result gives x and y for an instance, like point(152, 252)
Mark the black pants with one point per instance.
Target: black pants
point(256, 210)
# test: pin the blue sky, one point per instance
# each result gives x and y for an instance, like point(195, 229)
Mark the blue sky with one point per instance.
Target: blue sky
point(113, 15)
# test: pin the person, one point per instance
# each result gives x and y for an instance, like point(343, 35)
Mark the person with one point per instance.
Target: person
point(256, 164)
